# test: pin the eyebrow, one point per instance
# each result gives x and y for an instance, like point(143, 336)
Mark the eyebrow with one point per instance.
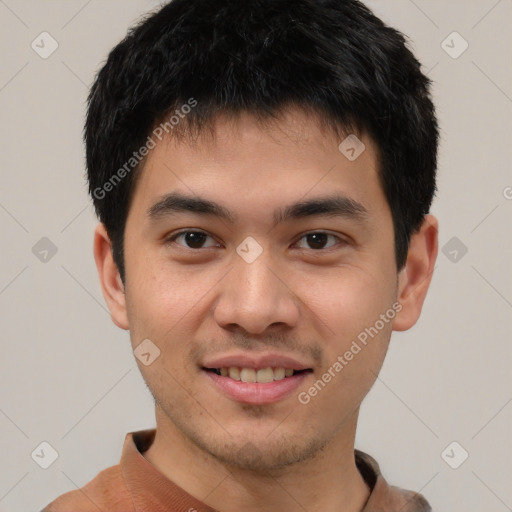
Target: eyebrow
point(331, 206)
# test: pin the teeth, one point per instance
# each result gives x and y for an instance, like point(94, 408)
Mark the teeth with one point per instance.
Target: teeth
point(251, 375)
point(265, 375)
point(247, 375)
point(234, 373)
point(279, 373)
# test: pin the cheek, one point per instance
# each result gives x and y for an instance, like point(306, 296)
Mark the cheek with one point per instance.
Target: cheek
point(355, 338)
point(348, 315)
point(165, 303)
point(347, 301)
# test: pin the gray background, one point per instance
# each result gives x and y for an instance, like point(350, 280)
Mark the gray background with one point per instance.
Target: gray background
point(67, 374)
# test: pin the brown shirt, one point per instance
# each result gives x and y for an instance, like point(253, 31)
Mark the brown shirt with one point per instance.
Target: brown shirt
point(135, 485)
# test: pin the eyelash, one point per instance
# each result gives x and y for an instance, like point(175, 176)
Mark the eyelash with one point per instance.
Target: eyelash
point(172, 239)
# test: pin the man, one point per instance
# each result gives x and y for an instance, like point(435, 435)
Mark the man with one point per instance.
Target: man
point(263, 173)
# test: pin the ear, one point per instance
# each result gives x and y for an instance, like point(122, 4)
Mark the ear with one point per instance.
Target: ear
point(414, 279)
point(110, 280)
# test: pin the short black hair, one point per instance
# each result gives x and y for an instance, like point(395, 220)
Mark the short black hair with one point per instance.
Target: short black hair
point(182, 65)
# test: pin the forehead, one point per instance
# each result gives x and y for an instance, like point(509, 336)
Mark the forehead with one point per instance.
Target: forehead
point(294, 130)
point(246, 161)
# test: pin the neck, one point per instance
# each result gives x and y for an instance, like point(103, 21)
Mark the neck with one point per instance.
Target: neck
point(329, 481)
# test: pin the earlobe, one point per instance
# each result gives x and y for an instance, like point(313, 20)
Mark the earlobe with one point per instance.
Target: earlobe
point(414, 279)
point(110, 280)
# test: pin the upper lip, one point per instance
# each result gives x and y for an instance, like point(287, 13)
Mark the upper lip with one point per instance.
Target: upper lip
point(256, 362)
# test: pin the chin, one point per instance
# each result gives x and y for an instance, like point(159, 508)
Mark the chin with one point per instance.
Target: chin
point(262, 453)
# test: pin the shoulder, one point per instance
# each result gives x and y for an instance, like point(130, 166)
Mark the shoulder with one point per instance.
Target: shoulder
point(385, 497)
point(107, 491)
point(408, 501)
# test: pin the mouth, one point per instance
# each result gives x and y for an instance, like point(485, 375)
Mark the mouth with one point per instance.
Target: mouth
point(256, 386)
point(261, 375)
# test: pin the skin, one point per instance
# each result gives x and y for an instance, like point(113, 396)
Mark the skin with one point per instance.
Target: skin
point(295, 299)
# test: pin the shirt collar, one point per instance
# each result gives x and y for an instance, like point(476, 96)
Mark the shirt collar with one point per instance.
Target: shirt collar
point(151, 491)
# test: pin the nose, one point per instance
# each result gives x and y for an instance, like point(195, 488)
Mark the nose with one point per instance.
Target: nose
point(256, 297)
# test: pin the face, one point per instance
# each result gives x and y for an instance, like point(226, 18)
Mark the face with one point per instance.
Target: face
point(249, 281)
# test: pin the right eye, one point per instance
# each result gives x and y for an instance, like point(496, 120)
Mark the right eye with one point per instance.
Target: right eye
point(192, 239)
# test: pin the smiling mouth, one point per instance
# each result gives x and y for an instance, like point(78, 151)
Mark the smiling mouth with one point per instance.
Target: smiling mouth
point(262, 375)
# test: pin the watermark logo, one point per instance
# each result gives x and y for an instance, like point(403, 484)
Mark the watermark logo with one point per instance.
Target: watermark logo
point(454, 250)
point(249, 249)
point(351, 147)
point(304, 397)
point(143, 151)
point(44, 45)
point(44, 455)
point(454, 455)
point(44, 250)
point(146, 352)
point(454, 45)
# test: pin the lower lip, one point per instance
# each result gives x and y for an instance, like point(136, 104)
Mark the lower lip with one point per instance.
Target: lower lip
point(257, 392)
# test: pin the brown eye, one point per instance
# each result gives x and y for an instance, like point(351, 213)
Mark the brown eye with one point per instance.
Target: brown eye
point(318, 240)
point(192, 239)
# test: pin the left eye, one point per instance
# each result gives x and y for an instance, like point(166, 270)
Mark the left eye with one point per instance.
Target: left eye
point(318, 239)
point(195, 239)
